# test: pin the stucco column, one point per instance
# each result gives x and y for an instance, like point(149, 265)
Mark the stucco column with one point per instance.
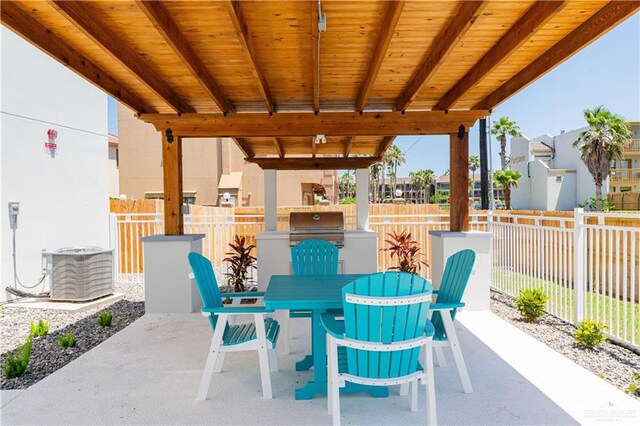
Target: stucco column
point(362, 198)
point(270, 200)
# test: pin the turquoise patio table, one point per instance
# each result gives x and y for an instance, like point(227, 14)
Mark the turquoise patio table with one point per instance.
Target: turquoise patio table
point(316, 293)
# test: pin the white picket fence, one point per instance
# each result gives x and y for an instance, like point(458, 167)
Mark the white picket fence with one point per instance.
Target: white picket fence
point(588, 268)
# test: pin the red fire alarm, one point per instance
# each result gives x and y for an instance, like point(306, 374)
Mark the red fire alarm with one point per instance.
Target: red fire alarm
point(50, 144)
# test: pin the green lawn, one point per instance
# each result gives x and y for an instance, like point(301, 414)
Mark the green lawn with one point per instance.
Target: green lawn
point(622, 318)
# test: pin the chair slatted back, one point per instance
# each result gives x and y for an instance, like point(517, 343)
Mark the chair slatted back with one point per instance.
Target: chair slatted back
point(454, 281)
point(206, 282)
point(393, 321)
point(314, 257)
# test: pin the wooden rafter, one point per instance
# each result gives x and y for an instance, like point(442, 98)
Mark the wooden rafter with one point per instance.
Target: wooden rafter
point(279, 147)
point(602, 21)
point(240, 25)
point(166, 26)
point(245, 147)
point(20, 22)
point(348, 145)
point(307, 163)
point(384, 145)
point(442, 47)
point(310, 124)
point(394, 9)
point(315, 56)
point(81, 16)
point(534, 19)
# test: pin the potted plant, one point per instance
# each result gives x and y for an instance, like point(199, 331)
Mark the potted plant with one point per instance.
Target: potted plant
point(240, 261)
point(406, 250)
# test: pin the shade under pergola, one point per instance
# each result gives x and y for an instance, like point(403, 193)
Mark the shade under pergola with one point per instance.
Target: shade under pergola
point(265, 74)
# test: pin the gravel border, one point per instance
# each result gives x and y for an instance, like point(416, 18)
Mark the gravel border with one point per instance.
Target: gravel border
point(612, 362)
point(47, 355)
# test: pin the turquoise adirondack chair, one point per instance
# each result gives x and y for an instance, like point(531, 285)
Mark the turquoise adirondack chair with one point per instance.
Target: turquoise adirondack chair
point(310, 257)
point(260, 335)
point(385, 326)
point(443, 312)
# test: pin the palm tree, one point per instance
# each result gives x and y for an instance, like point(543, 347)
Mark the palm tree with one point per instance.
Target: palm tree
point(502, 128)
point(346, 184)
point(602, 143)
point(395, 158)
point(421, 181)
point(474, 164)
point(374, 178)
point(507, 179)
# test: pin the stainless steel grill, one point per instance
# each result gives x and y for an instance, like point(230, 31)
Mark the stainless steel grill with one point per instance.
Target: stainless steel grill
point(328, 226)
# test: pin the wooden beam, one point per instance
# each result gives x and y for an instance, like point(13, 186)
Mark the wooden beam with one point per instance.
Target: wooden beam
point(161, 19)
point(172, 180)
point(245, 147)
point(602, 21)
point(79, 14)
point(384, 145)
point(31, 30)
point(308, 163)
point(310, 124)
point(314, 147)
point(279, 147)
point(315, 56)
point(242, 31)
point(535, 18)
point(348, 144)
point(459, 181)
point(394, 10)
point(446, 41)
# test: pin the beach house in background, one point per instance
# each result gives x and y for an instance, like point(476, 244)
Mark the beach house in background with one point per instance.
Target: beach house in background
point(555, 178)
point(54, 149)
point(213, 167)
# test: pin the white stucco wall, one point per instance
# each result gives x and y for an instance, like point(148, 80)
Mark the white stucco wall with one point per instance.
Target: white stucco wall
point(63, 198)
point(539, 188)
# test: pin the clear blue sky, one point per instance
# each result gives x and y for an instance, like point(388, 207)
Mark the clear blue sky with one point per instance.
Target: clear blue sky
point(607, 72)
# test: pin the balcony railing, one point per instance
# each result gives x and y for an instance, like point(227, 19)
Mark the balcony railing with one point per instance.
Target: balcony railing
point(625, 176)
point(633, 149)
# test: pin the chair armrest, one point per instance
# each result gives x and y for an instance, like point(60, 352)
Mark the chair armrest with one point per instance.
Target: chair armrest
point(237, 310)
point(245, 295)
point(429, 330)
point(334, 327)
point(445, 306)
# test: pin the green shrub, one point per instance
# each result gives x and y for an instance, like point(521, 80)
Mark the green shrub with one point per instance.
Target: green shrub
point(531, 303)
point(589, 334)
point(347, 200)
point(67, 341)
point(16, 364)
point(634, 387)
point(39, 329)
point(104, 320)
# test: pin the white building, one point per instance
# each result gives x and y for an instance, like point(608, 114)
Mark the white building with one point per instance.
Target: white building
point(61, 183)
point(553, 175)
point(114, 166)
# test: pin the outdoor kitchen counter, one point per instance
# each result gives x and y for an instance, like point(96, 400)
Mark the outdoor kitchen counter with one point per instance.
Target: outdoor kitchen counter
point(358, 256)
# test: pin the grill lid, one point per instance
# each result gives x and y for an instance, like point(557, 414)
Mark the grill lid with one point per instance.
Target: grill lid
point(316, 221)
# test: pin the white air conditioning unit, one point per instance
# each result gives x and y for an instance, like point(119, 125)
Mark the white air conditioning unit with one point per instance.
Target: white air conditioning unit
point(79, 274)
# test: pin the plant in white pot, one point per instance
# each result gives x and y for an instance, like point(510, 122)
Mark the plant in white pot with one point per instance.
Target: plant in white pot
point(240, 261)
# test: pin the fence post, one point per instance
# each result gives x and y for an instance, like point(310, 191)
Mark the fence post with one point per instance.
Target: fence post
point(114, 245)
point(579, 256)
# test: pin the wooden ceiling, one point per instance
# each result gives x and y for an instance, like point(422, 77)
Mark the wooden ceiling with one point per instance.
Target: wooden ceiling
point(181, 61)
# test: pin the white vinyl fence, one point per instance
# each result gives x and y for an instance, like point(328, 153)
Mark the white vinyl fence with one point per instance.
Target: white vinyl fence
point(588, 267)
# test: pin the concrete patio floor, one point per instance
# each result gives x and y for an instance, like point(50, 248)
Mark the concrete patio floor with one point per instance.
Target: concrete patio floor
point(149, 374)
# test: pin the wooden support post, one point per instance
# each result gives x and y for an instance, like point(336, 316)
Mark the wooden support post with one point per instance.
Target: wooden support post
point(172, 179)
point(459, 180)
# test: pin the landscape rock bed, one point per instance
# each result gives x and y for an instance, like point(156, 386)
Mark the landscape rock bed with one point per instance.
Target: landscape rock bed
point(47, 355)
point(611, 362)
